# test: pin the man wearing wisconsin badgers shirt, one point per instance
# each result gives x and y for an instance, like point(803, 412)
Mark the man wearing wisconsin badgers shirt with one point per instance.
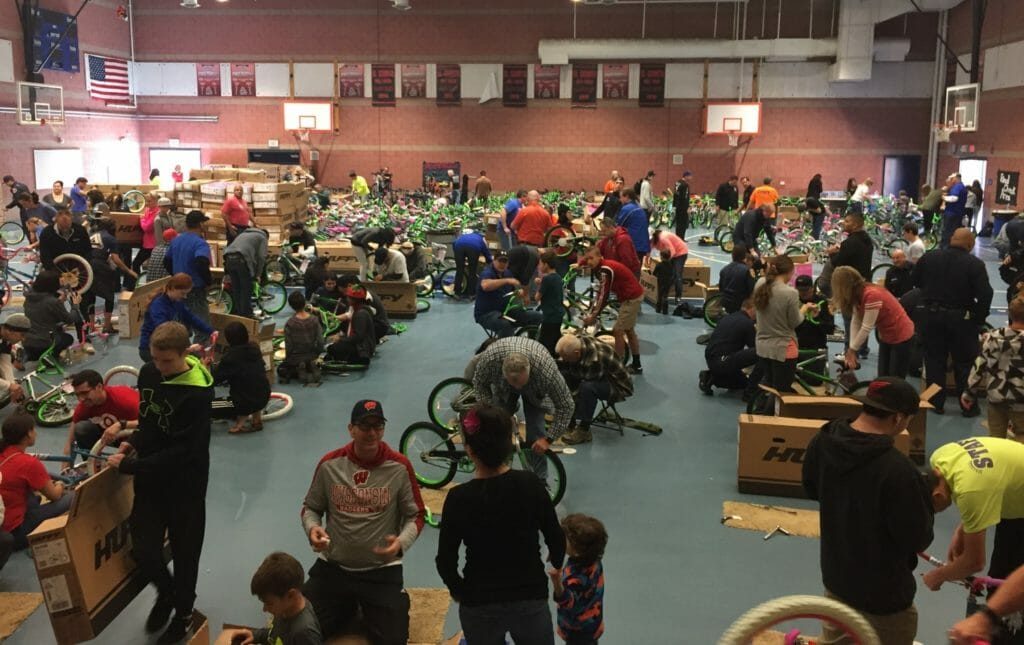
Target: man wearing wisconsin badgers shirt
point(614, 277)
point(374, 513)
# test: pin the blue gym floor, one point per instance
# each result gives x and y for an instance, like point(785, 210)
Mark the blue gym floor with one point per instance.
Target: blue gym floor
point(674, 574)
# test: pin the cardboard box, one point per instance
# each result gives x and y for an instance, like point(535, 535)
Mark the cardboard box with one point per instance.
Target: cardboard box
point(771, 453)
point(827, 408)
point(790, 213)
point(225, 174)
point(259, 333)
point(340, 256)
point(128, 229)
point(201, 635)
point(132, 314)
point(399, 298)
point(200, 173)
point(83, 559)
point(695, 278)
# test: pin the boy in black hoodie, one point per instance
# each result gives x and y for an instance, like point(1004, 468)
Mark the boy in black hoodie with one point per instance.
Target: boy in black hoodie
point(169, 455)
point(876, 512)
point(242, 368)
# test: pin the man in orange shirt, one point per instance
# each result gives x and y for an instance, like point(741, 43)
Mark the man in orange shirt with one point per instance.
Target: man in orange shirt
point(532, 221)
point(611, 184)
point(763, 195)
point(235, 213)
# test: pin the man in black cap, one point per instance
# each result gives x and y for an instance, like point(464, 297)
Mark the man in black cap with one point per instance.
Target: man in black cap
point(12, 332)
point(876, 512)
point(361, 514)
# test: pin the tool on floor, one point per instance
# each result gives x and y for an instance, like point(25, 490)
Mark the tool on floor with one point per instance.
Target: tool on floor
point(777, 529)
point(769, 507)
point(726, 518)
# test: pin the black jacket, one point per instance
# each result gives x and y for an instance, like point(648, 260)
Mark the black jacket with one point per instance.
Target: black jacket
point(899, 281)
point(732, 334)
point(52, 244)
point(609, 206)
point(815, 336)
point(681, 199)
point(243, 370)
point(379, 236)
point(856, 251)
point(814, 188)
point(749, 226)
point(727, 197)
point(736, 284)
point(954, 279)
point(876, 514)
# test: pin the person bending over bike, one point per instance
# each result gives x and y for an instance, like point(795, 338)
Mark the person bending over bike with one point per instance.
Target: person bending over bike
point(357, 342)
point(242, 368)
point(103, 411)
point(597, 373)
point(614, 277)
point(46, 307)
point(495, 287)
point(303, 343)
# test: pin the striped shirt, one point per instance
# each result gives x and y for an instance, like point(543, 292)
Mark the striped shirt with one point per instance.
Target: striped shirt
point(581, 603)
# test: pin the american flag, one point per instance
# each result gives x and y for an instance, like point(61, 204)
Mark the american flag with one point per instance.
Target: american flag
point(107, 79)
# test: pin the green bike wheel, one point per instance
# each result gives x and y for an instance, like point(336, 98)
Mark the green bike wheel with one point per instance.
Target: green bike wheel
point(273, 297)
point(219, 300)
point(448, 282)
point(276, 270)
point(554, 480)
point(714, 310)
point(721, 230)
point(725, 242)
point(432, 454)
point(57, 409)
point(447, 399)
point(422, 305)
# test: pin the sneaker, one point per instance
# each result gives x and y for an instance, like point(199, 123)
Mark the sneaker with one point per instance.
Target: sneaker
point(864, 352)
point(704, 382)
point(577, 435)
point(177, 631)
point(970, 412)
point(159, 614)
point(635, 369)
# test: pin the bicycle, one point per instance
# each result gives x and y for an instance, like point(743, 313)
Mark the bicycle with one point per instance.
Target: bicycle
point(792, 608)
point(440, 274)
point(11, 233)
point(51, 403)
point(13, 279)
point(977, 587)
point(564, 241)
point(515, 303)
point(270, 297)
point(133, 201)
point(284, 269)
point(844, 384)
point(73, 473)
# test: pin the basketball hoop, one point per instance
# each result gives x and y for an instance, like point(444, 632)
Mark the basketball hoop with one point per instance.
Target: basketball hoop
point(734, 137)
point(302, 135)
point(943, 132)
point(54, 129)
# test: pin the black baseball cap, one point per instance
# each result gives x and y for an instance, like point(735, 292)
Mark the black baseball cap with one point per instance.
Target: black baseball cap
point(804, 281)
point(367, 408)
point(195, 218)
point(891, 394)
point(501, 255)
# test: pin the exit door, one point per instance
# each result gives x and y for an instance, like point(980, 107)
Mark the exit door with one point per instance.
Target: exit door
point(972, 170)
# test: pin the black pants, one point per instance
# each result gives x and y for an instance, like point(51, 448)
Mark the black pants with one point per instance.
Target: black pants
point(466, 261)
point(926, 221)
point(894, 360)
point(223, 407)
point(549, 335)
point(778, 374)
point(665, 283)
point(241, 284)
point(338, 594)
point(6, 547)
point(682, 223)
point(140, 259)
point(1007, 556)
point(727, 371)
point(87, 433)
point(346, 350)
point(61, 341)
point(182, 515)
point(948, 336)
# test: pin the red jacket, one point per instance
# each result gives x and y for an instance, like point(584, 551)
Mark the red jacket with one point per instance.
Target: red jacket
point(620, 248)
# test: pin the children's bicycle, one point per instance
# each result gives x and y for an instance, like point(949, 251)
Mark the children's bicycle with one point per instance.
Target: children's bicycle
point(74, 472)
point(789, 609)
point(270, 297)
point(564, 241)
point(843, 384)
point(13, 279)
point(440, 274)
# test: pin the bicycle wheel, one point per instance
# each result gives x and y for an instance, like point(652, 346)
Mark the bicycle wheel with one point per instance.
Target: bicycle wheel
point(554, 480)
point(219, 300)
point(75, 271)
point(725, 242)
point(448, 282)
point(422, 305)
point(447, 399)
point(276, 270)
point(133, 201)
point(559, 240)
point(57, 409)
point(98, 455)
point(789, 608)
point(11, 233)
point(433, 456)
point(425, 286)
point(279, 405)
point(720, 230)
point(528, 331)
point(714, 310)
point(122, 375)
point(762, 402)
point(273, 297)
point(878, 271)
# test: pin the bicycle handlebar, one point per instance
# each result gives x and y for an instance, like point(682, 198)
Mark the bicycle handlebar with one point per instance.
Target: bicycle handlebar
point(974, 583)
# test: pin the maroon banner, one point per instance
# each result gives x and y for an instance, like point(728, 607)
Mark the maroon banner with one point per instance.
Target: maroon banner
point(584, 85)
point(449, 84)
point(615, 82)
point(513, 85)
point(414, 81)
point(351, 82)
point(652, 84)
point(382, 81)
point(243, 79)
point(546, 81)
point(208, 79)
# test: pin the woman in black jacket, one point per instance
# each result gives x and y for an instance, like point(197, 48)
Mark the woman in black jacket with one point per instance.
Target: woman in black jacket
point(243, 370)
point(814, 187)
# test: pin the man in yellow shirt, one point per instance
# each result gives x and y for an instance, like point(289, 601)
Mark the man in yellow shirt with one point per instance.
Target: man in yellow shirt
point(763, 194)
point(360, 188)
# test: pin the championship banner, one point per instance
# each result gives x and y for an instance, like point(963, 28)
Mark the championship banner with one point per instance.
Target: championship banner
point(616, 82)
point(382, 79)
point(513, 85)
point(243, 79)
point(584, 85)
point(546, 81)
point(208, 79)
point(351, 82)
point(449, 84)
point(652, 84)
point(414, 81)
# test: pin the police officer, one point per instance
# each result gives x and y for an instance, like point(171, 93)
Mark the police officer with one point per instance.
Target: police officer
point(956, 298)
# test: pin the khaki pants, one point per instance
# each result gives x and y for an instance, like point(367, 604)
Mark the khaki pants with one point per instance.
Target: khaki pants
point(1000, 415)
point(892, 629)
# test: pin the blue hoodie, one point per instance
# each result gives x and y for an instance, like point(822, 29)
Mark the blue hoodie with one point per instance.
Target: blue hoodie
point(634, 219)
point(163, 309)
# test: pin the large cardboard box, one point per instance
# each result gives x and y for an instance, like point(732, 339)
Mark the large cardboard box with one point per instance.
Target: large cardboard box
point(399, 298)
point(771, 453)
point(827, 408)
point(83, 559)
point(695, 276)
point(340, 256)
point(259, 332)
point(132, 307)
point(128, 229)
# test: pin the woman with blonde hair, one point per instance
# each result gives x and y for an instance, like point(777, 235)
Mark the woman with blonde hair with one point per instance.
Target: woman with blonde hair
point(872, 307)
point(779, 312)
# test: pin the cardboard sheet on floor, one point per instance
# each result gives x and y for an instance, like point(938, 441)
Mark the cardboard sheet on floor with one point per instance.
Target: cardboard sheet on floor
point(428, 609)
point(769, 638)
point(434, 498)
point(756, 517)
point(15, 608)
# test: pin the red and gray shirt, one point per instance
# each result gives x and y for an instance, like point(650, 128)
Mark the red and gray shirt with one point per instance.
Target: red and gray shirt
point(363, 503)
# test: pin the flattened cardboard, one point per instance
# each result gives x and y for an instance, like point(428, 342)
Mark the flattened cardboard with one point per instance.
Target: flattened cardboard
point(132, 314)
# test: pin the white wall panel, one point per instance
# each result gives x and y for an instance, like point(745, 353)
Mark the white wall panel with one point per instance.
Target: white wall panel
point(313, 79)
point(271, 79)
point(6, 61)
point(1003, 68)
point(165, 79)
point(683, 81)
point(476, 77)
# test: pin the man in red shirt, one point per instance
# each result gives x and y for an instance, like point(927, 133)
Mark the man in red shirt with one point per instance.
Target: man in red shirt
point(614, 277)
point(102, 410)
point(532, 221)
point(235, 213)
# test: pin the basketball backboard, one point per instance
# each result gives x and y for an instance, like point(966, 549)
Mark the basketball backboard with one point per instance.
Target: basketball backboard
point(962, 107)
point(733, 119)
point(40, 104)
point(315, 117)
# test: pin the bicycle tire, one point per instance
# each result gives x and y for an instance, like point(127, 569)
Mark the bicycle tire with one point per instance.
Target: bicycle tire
point(720, 230)
point(11, 233)
point(878, 271)
point(121, 370)
point(555, 242)
point(767, 614)
point(56, 410)
point(554, 482)
point(425, 286)
point(72, 267)
point(528, 331)
point(713, 310)
point(98, 454)
point(276, 270)
point(422, 305)
point(447, 399)
point(431, 452)
point(133, 201)
point(219, 300)
point(279, 405)
point(726, 243)
point(763, 403)
point(447, 280)
point(273, 297)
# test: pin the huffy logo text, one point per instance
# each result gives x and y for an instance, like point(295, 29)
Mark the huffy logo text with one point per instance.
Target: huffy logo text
point(784, 454)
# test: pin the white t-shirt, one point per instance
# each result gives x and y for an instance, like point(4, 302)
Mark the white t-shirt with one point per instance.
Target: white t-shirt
point(915, 250)
point(860, 194)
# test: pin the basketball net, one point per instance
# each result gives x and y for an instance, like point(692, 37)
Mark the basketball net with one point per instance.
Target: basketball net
point(303, 135)
point(54, 129)
point(734, 137)
point(943, 132)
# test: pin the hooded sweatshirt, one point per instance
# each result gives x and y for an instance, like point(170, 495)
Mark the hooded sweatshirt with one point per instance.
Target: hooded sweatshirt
point(172, 444)
point(162, 309)
point(242, 368)
point(619, 247)
point(48, 314)
point(875, 516)
point(999, 370)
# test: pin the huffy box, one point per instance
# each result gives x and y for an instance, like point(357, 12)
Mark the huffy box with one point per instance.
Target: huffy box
point(695, 274)
point(127, 228)
point(771, 453)
point(83, 559)
point(840, 407)
point(132, 305)
point(399, 298)
point(340, 256)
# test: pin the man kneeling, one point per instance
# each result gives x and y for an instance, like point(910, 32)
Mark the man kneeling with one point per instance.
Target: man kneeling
point(731, 350)
point(596, 372)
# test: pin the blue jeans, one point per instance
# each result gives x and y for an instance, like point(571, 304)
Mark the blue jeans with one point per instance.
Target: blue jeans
point(590, 393)
point(37, 513)
point(527, 621)
point(495, 322)
point(507, 240)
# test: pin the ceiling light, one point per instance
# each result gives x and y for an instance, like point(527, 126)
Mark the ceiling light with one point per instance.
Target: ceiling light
point(190, 4)
point(401, 5)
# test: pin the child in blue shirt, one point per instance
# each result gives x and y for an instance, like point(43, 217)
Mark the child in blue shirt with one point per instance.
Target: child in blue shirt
point(549, 295)
point(579, 586)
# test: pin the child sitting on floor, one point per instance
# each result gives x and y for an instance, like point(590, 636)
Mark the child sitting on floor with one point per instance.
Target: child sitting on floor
point(579, 586)
point(243, 370)
point(303, 343)
point(278, 585)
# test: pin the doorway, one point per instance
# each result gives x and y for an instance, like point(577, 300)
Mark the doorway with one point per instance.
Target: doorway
point(902, 172)
point(167, 158)
point(971, 170)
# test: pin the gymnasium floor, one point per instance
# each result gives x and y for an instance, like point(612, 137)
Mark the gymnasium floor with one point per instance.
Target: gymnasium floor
point(674, 574)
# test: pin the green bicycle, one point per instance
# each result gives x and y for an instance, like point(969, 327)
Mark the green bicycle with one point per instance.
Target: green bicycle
point(270, 297)
point(843, 384)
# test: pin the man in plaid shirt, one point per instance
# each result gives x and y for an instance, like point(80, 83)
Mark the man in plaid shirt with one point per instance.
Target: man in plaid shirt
point(596, 370)
point(514, 367)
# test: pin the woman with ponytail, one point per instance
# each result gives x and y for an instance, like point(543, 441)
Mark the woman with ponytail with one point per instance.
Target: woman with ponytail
point(871, 307)
point(778, 314)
